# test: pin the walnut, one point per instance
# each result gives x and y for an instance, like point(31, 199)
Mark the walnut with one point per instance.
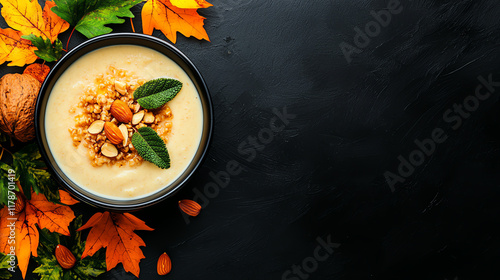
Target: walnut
point(18, 95)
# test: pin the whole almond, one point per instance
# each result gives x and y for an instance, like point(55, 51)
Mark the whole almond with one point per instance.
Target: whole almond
point(190, 207)
point(113, 133)
point(120, 110)
point(64, 257)
point(164, 264)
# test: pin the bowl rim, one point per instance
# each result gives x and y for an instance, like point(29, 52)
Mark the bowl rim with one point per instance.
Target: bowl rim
point(205, 141)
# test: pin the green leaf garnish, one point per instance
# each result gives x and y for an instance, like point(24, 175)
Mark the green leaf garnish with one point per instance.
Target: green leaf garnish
point(151, 147)
point(89, 17)
point(153, 94)
point(46, 50)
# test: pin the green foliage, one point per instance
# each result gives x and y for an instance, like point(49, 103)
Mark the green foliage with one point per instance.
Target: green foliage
point(46, 50)
point(151, 147)
point(89, 17)
point(49, 269)
point(32, 173)
point(4, 183)
point(157, 92)
point(4, 266)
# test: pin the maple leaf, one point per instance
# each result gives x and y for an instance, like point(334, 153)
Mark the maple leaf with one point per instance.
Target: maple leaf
point(27, 17)
point(89, 17)
point(50, 269)
point(54, 25)
point(37, 211)
point(170, 19)
point(115, 232)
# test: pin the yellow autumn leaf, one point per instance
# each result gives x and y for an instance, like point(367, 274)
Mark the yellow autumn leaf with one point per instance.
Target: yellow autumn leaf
point(190, 4)
point(26, 16)
point(15, 49)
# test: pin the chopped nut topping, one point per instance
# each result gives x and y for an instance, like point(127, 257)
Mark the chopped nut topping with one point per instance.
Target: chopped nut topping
point(93, 111)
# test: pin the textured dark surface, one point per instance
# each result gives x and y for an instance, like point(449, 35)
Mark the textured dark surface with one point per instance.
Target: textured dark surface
point(322, 176)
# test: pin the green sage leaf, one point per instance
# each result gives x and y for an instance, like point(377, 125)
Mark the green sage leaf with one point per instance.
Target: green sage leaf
point(155, 93)
point(151, 147)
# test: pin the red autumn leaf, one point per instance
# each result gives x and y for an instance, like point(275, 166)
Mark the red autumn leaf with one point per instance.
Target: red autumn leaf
point(37, 211)
point(115, 231)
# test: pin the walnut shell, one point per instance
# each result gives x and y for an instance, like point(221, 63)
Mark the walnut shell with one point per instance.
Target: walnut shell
point(18, 95)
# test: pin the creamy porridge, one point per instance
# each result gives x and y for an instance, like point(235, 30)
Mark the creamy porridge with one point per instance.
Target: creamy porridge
point(70, 110)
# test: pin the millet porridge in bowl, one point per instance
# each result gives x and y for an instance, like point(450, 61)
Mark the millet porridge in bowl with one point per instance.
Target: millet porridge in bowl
point(91, 117)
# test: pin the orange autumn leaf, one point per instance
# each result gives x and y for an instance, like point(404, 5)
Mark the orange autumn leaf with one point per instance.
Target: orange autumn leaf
point(26, 240)
point(37, 211)
point(27, 17)
point(163, 15)
point(66, 198)
point(115, 231)
point(54, 25)
point(15, 49)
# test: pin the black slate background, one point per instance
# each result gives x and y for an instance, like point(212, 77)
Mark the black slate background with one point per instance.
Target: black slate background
point(323, 175)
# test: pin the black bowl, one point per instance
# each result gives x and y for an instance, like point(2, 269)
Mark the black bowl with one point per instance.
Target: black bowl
point(123, 39)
